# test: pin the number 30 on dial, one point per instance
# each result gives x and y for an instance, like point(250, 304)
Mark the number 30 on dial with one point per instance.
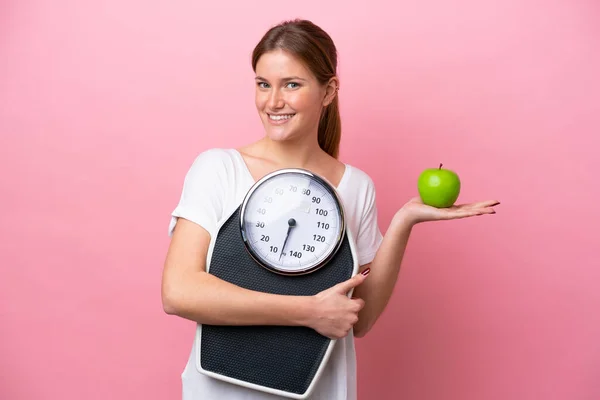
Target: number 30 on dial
point(292, 221)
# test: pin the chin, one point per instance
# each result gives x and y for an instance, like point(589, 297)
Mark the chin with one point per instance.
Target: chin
point(278, 135)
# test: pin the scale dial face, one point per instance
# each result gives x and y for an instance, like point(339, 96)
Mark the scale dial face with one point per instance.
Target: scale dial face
point(292, 221)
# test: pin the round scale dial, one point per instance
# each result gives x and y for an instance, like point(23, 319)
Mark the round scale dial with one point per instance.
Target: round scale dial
point(292, 221)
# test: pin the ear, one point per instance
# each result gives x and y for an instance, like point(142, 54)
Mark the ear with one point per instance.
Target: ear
point(331, 90)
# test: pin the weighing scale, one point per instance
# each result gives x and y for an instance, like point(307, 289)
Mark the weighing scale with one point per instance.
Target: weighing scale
point(287, 237)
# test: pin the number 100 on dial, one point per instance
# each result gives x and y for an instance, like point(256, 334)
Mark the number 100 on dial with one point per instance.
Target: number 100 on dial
point(292, 221)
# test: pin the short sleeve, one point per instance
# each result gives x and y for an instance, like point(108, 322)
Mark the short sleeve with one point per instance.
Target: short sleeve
point(369, 235)
point(202, 196)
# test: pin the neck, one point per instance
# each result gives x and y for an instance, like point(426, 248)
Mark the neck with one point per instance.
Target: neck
point(292, 153)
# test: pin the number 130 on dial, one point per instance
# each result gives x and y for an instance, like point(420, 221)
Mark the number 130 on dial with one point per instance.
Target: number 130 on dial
point(292, 221)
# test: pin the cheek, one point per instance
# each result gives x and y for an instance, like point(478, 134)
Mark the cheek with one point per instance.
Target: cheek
point(260, 99)
point(303, 102)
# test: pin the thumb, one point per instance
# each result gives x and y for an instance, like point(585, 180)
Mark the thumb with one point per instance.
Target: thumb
point(344, 287)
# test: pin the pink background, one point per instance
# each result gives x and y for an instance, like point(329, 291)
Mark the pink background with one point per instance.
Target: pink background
point(104, 105)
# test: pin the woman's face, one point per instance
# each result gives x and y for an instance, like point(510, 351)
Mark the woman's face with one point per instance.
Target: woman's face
point(289, 99)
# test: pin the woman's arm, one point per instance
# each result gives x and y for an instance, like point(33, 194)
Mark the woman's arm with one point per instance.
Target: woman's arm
point(190, 292)
point(378, 289)
point(376, 292)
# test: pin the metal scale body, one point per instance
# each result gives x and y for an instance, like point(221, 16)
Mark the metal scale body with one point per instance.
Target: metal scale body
point(299, 214)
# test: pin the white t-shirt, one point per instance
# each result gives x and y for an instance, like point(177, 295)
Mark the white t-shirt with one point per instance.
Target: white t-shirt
point(214, 187)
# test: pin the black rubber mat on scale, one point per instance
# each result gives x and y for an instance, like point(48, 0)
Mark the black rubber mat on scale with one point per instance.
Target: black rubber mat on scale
point(280, 357)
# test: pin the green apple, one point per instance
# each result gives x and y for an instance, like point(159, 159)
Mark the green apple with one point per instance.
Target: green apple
point(439, 187)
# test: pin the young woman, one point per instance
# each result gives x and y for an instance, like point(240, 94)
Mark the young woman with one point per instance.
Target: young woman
point(297, 100)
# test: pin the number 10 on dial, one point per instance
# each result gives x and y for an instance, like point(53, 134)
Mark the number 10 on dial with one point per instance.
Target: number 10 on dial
point(292, 221)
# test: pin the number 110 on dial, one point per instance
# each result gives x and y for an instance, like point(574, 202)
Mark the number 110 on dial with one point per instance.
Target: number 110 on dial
point(292, 221)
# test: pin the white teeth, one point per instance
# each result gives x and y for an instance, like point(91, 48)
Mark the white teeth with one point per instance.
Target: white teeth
point(280, 117)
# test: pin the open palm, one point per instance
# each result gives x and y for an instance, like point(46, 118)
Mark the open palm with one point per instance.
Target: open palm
point(419, 212)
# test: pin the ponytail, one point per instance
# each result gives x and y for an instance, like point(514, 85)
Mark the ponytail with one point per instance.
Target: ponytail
point(330, 129)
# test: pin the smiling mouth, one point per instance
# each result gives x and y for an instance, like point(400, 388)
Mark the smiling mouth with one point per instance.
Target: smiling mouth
point(280, 117)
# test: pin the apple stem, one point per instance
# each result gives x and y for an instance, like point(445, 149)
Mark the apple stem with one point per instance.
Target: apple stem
point(440, 166)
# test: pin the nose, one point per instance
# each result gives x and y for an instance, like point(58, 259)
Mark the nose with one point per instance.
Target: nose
point(276, 100)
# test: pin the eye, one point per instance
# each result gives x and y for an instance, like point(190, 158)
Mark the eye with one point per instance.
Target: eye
point(292, 85)
point(262, 85)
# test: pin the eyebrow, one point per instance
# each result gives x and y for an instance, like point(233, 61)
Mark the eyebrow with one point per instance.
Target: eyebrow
point(289, 78)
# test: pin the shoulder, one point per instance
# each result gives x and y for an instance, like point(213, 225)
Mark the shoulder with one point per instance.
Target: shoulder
point(359, 180)
point(214, 167)
point(213, 156)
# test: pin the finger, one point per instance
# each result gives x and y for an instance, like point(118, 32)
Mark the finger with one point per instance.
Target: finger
point(483, 211)
point(359, 303)
point(344, 287)
point(480, 204)
point(457, 214)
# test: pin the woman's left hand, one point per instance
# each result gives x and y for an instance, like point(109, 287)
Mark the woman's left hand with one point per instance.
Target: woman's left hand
point(415, 211)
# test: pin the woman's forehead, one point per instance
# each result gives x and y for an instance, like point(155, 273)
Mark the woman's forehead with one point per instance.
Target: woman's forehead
point(279, 64)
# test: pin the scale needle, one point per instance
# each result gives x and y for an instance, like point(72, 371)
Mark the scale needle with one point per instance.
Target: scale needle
point(291, 224)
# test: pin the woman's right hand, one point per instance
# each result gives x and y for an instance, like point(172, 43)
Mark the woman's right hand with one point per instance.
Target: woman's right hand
point(334, 313)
